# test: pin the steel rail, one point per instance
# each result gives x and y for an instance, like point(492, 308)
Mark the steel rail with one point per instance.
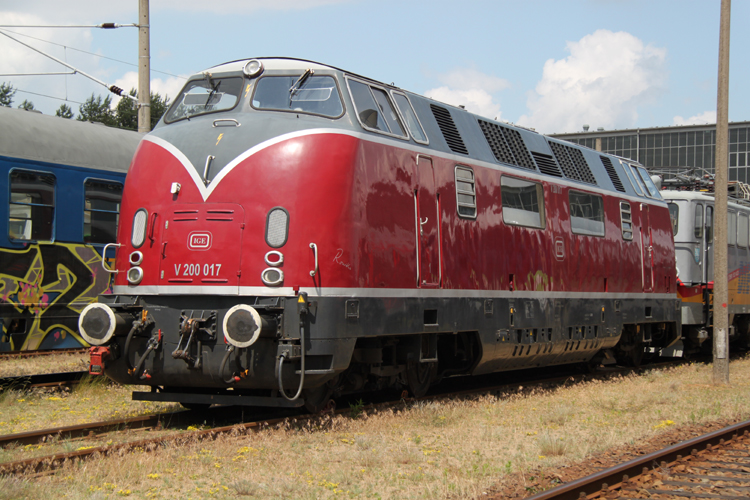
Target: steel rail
point(614, 476)
point(43, 380)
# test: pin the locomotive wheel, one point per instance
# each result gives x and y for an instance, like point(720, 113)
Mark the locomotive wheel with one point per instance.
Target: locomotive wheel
point(420, 376)
point(318, 399)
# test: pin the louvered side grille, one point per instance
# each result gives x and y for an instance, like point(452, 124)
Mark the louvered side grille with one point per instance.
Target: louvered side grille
point(449, 130)
point(546, 164)
point(612, 173)
point(507, 145)
point(573, 164)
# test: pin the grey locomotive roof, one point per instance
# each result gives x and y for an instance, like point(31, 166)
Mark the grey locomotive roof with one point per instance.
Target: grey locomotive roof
point(461, 134)
point(33, 136)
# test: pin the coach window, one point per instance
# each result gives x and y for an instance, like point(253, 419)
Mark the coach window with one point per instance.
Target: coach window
point(732, 228)
point(466, 198)
point(374, 109)
point(586, 213)
point(523, 202)
point(674, 216)
point(412, 120)
point(698, 227)
point(32, 206)
point(101, 211)
point(742, 234)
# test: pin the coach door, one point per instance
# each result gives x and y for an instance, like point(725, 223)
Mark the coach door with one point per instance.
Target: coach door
point(647, 249)
point(200, 247)
point(427, 225)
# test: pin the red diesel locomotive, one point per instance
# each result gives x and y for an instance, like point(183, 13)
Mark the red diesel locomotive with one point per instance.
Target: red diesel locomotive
point(291, 231)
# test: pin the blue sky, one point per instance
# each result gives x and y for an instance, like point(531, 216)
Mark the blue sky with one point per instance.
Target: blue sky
point(551, 65)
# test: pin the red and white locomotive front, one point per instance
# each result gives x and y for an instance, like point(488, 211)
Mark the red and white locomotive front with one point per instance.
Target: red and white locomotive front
point(223, 214)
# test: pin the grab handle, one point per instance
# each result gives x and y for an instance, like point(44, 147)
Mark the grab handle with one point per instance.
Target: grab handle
point(315, 252)
point(104, 257)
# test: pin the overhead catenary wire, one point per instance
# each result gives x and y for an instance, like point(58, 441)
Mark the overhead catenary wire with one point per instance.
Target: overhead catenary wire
point(112, 88)
point(92, 53)
point(106, 26)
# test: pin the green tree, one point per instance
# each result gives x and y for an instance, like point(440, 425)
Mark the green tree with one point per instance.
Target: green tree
point(6, 94)
point(96, 109)
point(127, 110)
point(64, 111)
point(27, 105)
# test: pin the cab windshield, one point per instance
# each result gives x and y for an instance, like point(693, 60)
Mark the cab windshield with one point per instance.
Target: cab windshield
point(304, 93)
point(205, 95)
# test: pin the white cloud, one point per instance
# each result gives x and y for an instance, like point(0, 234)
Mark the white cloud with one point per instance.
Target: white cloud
point(602, 83)
point(703, 118)
point(470, 88)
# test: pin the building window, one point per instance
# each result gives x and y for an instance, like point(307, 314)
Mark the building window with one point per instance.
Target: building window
point(101, 211)
point(32, 206)
point(586, 213)
point(523, 202)
point(466, 198)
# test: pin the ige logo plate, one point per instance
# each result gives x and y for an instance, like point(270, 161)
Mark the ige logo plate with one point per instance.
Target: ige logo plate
point(199, 240)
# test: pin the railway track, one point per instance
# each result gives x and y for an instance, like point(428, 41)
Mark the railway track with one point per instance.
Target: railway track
point(49, 463)
point(715, 465)
point(34, 354)
point(43, 380)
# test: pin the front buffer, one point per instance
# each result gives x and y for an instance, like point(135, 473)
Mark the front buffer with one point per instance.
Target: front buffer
point(215, 350)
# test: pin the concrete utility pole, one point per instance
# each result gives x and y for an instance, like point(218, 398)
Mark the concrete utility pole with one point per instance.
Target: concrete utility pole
point(144, 69)
point(721, 275)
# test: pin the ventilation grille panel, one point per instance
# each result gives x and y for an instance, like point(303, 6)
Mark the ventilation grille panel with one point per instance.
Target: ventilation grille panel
point(449, 130)
point(507, 145)
point(612, 173)
point(573, 163)
point(547, 164)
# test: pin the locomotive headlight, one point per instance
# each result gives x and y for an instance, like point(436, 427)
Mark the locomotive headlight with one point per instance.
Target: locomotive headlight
point(136, 258)
point(97, 323)
point(140, 220)
point(135, 275)
point(242, 325)
point(253, 68)
point(272, 276)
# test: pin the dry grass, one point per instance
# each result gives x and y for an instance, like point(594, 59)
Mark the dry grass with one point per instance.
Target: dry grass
point(454, 449)
point(37, 365)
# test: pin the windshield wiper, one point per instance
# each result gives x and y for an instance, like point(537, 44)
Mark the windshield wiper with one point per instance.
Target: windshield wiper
point(211, 94)
point(295, 88)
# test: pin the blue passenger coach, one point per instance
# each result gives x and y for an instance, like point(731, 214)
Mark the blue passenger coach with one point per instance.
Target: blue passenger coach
point(60, 186)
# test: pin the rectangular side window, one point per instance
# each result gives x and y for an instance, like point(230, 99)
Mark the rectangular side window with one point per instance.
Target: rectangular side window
point(674, 216)
point(412, 121)
point(742, 233)
point(626, 221)
point(586, 213)
point(698, 227)
point(466, 198)
point(32, 206)
point(101, 211)
point(709, 223)
point(732, 228)
point(523, 202)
